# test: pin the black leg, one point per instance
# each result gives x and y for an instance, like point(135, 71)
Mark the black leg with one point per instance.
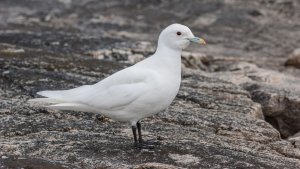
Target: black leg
point(134, 134)
point(140, 143)
point(139, 127)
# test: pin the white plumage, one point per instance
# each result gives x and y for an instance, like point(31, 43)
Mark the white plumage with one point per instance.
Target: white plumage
point(136, 92)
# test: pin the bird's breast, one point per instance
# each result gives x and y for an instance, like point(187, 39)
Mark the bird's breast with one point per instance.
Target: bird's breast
point(166, 88)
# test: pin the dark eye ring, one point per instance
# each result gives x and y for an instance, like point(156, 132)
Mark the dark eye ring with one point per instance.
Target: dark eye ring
point(178, 33)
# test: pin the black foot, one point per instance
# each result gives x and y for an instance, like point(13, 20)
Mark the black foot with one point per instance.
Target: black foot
point(149, 144)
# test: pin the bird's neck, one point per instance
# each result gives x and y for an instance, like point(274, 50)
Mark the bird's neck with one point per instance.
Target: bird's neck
point(168, 58)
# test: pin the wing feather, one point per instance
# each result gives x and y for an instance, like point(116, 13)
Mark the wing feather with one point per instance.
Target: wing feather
point(112, 93)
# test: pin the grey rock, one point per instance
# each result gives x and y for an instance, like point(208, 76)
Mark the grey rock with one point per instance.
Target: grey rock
point(218, 120)
point(278, 93)
point(213, 121)
point(156, 166)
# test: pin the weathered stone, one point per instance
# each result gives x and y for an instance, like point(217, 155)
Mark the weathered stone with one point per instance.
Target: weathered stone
point(215, 122)
point(294, 59)
point(156, 166)
point(278, 93)
point(218, 117)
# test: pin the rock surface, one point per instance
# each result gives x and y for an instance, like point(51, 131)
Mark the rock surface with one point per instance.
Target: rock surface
point(294, 59)
point(278, 93)
point(237, 102)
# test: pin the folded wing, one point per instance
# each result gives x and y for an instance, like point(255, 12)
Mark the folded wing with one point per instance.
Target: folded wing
point(113, 93)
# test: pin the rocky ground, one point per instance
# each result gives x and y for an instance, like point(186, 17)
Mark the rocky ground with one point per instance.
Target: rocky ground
point(238, 106)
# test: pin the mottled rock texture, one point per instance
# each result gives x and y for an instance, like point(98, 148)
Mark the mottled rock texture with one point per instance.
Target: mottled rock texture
point(238, 106)
point(294, 59)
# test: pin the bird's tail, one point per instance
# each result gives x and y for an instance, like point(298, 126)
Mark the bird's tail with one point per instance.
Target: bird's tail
point(52, 97)
point(61, 100)
point(44, 101)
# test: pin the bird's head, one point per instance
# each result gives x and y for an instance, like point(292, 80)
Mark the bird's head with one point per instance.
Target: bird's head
point(178, 36)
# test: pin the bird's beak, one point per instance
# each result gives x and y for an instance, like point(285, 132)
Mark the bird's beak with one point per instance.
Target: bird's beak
point(197, 40)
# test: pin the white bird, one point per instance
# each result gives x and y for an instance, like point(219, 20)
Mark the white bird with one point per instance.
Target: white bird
point(136, 92)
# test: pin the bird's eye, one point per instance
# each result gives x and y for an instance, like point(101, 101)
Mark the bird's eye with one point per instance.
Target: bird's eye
point(178, 33)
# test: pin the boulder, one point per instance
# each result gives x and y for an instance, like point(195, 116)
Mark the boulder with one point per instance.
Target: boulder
point(213, 123)
point(294, 59)
point(237, 107)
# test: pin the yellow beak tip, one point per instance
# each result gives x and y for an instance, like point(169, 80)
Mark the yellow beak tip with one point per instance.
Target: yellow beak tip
point(202, 41)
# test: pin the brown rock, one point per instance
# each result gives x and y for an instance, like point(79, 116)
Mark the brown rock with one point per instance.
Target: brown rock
point(294, 59)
